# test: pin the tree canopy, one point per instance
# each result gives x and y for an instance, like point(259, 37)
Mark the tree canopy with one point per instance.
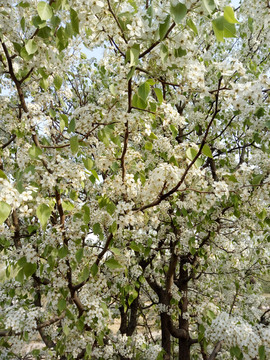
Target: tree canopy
point(134, 189)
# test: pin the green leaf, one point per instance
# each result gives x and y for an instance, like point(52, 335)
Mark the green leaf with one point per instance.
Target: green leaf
point(110, 207)
point(62, 252)
point(229, 15)
point(74, 21)
point(209, 5)
point(58, 81)
point(61, 39)
point(152, 136)
point(257, 179)
point(131, 72)
point(173, 130)
point(29, 269)
point(44, 10)
point(222, 28)
point(62, 125)
point(143, 91)
point(180, 52)
point(95, 174)
point(193, 27)
point(132, 296)
point(4, 211)
point(134, 246)
point(116, 251)
point(20, 276)
point(31, 47)
point(67, 205)
point(159, 95)
point(79, 255)
point(138, 102)
point(113, 264)
point(207, 151)
point(61, 304)
point(72, 125)
point(191, 153)
point(97, 230)
point(163, 53)
point(178, 12)
point(164, 27)
point(45, 32)
point(94, 270)
point(44, 84)
point(262, 354)
point(2, 174)
point(66, 329)
point(85, 273)
point(88, 163)
point(134, 53)
point(148, 146)
point(260, 112)
point(43, 214)
point(113, 227)
point(74, 144)
point(229, 29)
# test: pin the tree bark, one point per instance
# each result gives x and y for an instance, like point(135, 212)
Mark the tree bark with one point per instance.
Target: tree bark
point(165, 336)
point(184, 344)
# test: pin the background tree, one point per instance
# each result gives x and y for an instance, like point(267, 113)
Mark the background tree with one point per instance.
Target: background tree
point(134, 190)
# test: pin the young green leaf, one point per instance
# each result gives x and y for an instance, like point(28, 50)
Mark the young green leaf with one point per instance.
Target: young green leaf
point(44, 10)
point(43, 214)
point(159, 94)
point(148, 146)
point(209, 5)
point(193, 27)
point(164, 27)
point(29, 269)
point(191, 153)
point(262, 354)
point(74, 144)
point(113, 264)
point(74, 21)
point(207, 151)
point(143, 91)
point(94, 270)
point(31, 46)
point(229, 15)
point(4, 211)
point(58, 81)
point(62, 304)
point(134, 53)
point(178, 12)
point(88, 163)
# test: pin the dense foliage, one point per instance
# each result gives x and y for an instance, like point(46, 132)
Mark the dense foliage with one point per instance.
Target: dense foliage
point(134, 190)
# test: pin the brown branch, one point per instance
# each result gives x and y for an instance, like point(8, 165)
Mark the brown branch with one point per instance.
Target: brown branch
point(13, 137)
point(44, 162)
point(117, 21)
point(116, 46)
point(215, 351)
point(226, 127)
point(99, 258)
point(13, 77)
point(50, 322)
point(16, 237)
point(176, 187)
point(157, 42)
point(26, 76)
point(60, 208)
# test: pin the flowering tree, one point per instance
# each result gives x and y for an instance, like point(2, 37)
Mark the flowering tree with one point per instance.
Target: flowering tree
point(134, 191)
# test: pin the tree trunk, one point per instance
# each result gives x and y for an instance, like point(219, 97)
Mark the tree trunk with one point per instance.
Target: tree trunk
point(165, 336)
point(184, 344)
